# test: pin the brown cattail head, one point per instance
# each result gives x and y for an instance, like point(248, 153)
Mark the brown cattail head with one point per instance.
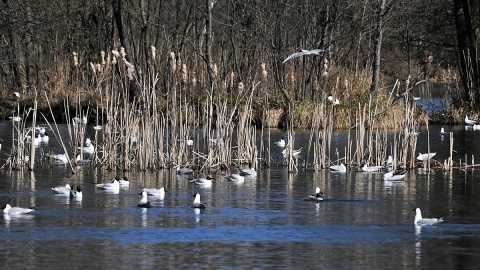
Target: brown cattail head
point(184, 73)
point(75, 59)
point(92, 67)
point(123, 54)
point(173, 64)
point(231, 80)
point(102, 55)
point(264, 72)
point(240, 87)
point(154, 52)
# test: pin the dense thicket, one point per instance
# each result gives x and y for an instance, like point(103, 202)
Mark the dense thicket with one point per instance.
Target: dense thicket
point(191, 46)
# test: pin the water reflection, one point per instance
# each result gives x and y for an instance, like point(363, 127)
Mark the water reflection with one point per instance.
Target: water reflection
point(144, 217)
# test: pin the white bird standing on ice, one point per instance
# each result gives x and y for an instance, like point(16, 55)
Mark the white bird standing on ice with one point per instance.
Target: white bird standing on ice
point(339, 168)
point(419, 221)
point(304, 52)
point(469, 121)
point(425, 156)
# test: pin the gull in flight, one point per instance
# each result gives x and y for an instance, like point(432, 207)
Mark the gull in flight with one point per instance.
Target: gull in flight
point(304, 52)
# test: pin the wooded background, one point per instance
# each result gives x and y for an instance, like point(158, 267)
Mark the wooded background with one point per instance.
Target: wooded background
point(228, 45)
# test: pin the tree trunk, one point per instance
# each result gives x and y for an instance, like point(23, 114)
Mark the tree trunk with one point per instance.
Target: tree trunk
point(208, 41)
point(378, 46)
point(467, 49)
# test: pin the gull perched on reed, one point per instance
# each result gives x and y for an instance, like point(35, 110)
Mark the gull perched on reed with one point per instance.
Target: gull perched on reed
point(419, 221)
point(425, 156)
point(304, 52)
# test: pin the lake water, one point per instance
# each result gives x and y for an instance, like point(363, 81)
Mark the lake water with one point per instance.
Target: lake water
point(365, 222)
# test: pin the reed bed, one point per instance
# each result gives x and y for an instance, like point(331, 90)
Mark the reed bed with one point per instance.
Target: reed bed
point(146, 124)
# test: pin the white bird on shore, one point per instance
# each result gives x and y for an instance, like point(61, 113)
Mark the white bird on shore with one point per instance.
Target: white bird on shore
point(280, 143)
point(419, 221)
point(304, 52)
point(366, 168)
point(144, 203)
point(197, 203)
point(156, 192)
point(469, 121)
point(339, 168)
point(425, 156)
point(64, 190)
point(317, 196)
point(394, 175)
point(9, 210)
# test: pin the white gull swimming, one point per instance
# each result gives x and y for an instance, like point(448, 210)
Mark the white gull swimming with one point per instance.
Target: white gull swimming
point(420, 221)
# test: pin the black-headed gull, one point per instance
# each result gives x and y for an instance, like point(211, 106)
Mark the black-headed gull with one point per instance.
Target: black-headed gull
point(425, 156)
point(144, 203)
point(469, 121)
point(419, 221)
point(156, 192)
point(304, 52)
point(64, 190)
point(317, 196)
point(395, 175)
point(197, 203)
point(9, 210)
point(338, 168)
point(280, 143)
